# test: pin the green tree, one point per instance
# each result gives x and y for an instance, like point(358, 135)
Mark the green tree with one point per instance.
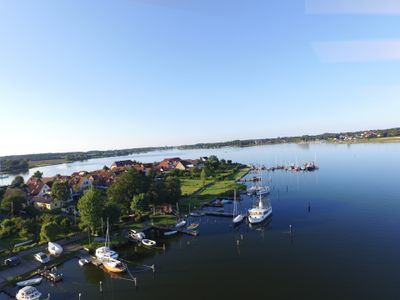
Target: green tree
point(18, 181)
point(138, 202)
point(38, 174)
point(90, 206)
point(61, 191)
point(156, 193)
point(203, 176)
point(112, 212)
point(49, 231)
point(12, 204)
point(127, 185)
point(173, 190)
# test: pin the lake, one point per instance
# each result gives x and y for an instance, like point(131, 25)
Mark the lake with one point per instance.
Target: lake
point(344, 244)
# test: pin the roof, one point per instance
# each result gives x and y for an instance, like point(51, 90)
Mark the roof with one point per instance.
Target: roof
point(34, 186)
point(123, 163)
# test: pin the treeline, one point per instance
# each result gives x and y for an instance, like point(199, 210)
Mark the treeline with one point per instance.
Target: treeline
point(10, 165)
point(393, 132)
point(77, 156)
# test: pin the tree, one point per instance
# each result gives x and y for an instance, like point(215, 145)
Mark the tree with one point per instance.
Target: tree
point(18, 181)
point(173, 190)
point(203, 176)
point(156, 193)
point(38, 174)
point(50, 231)
point(111, 212)
point(90, 206)
point(137, 202)
point(12, 204)
point(127, 185)
point(213, 163)
point(61, 191)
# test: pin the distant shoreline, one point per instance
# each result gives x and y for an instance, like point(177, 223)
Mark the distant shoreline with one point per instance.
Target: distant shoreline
point(53, 162)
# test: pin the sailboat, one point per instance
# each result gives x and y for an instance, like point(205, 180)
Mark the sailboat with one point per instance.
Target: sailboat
point(237, 218)
point(260, 213)
point(105, 252)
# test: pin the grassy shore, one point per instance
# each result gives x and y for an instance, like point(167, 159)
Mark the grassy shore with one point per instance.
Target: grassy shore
point(44, 163)
point(221, 186)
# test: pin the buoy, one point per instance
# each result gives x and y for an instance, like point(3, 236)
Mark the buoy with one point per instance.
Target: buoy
point(237, 242)
point(101, 286)
point(79, 295)
point(241, 236)
point(290, 229)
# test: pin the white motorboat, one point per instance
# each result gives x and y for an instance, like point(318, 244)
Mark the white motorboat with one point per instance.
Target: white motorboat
point(169, 233)
point(136, 235)
point(83, 261)
point(33, 281)
point(263, 190)
point(28, 293)
point(54, 249)
point(238, 219)
point(105, 252)
point(180, 224)
point(260, 213)
point(148, 243)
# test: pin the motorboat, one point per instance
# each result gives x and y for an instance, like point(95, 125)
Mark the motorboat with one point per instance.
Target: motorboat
point(263, 190)
point(54, 249)
point(41, 257)
point(169, 233)
point(180, 224)
point(33, 281)
point(193, 226)
point(114, 265)
point(136, 235)
point(238, 219)
point(197, 214)
point(252, 190)
point(83, 262)
point(28, 293)
point(260, 213)
point(148, 243)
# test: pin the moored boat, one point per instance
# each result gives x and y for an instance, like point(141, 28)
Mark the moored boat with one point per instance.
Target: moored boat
point(54, 248)
point(105, 252)
point(28, 293)
point(259, 213)
point(148, 243)
point(197, 214)
point(136, 235)
point(33, 281)
point(181, 223)
point(169, 233)
point(114, 265)
point(83, 261)
point(193, 226)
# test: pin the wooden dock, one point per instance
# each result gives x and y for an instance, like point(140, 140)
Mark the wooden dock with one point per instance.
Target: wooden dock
point(181, 230)
point(219, 214)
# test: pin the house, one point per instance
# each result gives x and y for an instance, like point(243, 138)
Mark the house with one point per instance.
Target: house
point(83, 184)
point(122, 164)
point(168, 164)
point(36, 187)
point(46, 203)
point(102, 178)
point(184, 165)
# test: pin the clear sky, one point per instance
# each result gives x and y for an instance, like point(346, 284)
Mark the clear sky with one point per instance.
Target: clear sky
point(85, 75)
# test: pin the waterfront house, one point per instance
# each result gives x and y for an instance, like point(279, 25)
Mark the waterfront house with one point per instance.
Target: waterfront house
point(122, 164)
point(168, 164)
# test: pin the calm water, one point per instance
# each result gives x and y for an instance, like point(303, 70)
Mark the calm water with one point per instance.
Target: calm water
point(346, 246)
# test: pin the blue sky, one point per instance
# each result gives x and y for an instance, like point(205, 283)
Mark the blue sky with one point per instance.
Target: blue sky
point(84, 75)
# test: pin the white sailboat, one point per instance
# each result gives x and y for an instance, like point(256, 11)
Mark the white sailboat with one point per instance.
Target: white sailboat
point(54, 249)
point(105, 252)
point(260, 213)
point(237, 217)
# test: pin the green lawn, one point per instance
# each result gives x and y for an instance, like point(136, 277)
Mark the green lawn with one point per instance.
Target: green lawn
point(163, 220)
point(191, 186)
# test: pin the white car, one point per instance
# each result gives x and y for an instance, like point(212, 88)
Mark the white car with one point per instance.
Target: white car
point(42, 258)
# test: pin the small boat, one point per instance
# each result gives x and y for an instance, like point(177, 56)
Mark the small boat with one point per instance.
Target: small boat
point(237, 217)
point(33, 281)
point(226, 201)
point(136, 235)
point(263, 190)
point(114, 265)
point(180, 224)
point(83, 262)
point(54, 249)
point(169, 233)
point(197, 214)
point(28, 293)
point(193, 226)
point(148, 243)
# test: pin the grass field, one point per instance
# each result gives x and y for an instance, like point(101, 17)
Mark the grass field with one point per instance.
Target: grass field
point(191, 186)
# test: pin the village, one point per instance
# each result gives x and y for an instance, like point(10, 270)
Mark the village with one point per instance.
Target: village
point(128, 194)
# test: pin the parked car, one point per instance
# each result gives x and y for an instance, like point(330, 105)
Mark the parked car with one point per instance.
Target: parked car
point(42, 258)
point(12, 261)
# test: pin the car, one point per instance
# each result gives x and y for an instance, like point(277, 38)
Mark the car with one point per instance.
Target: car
point(12, 261)
point(42, 257)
